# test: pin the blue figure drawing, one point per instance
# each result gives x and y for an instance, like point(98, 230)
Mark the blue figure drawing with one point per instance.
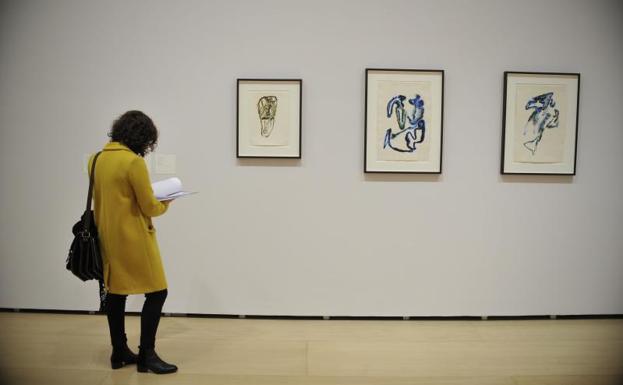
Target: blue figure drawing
point(544, 116)
point(414, 133)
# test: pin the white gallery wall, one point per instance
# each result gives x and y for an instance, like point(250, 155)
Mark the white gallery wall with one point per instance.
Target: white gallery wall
point(316, 236)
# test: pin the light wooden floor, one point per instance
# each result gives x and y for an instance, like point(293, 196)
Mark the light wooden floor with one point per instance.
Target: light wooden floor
point(74, 349)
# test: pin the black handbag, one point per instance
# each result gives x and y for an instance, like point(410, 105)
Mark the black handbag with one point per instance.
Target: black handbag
point(85, 259)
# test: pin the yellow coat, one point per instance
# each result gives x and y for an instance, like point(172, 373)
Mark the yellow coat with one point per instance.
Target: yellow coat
point(124, 203)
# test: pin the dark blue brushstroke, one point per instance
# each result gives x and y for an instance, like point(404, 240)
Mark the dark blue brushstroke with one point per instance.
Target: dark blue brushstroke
point(415, 132)
point(543, 116)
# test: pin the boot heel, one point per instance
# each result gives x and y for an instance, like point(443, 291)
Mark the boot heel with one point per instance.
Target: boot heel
point(116, 364)
point(141, 368)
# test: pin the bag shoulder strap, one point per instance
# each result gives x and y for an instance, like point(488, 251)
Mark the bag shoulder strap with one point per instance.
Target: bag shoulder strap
point(91, 181)
point(86, 223)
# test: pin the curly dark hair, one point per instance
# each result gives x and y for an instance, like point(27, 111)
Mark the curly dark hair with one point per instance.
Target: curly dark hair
point(135, 130)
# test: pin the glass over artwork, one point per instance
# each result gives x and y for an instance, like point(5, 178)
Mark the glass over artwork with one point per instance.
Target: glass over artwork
point(540, 123)
point(403, 124)
point(269, 118)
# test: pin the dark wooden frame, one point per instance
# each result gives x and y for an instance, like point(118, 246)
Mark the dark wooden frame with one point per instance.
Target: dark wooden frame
point(577, 121)
point(300, 144)
point(365, 130)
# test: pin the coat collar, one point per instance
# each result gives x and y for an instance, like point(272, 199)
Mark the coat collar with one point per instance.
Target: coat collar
point(115, 146)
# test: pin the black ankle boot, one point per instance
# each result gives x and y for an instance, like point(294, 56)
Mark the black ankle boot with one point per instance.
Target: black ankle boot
point(121, 356)
point(148, 360)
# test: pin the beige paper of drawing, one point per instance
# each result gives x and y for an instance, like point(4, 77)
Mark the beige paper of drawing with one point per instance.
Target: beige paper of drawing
point(280, 135)
point(551, 148)
point(387, 90)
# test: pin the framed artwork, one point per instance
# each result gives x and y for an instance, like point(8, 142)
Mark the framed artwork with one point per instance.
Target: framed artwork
point(404, 121)
point(268, 118)
point(540, 123)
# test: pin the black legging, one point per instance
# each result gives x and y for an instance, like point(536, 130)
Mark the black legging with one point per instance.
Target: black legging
point(150, 317)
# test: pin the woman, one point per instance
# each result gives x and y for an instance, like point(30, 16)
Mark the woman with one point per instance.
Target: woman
point(124, 204)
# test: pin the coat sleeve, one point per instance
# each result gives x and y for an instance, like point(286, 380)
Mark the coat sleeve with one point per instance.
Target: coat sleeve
point(139, 179)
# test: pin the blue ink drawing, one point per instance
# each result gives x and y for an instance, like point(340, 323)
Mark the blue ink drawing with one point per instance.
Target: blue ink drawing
point(414, 132)
point(544, 116)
